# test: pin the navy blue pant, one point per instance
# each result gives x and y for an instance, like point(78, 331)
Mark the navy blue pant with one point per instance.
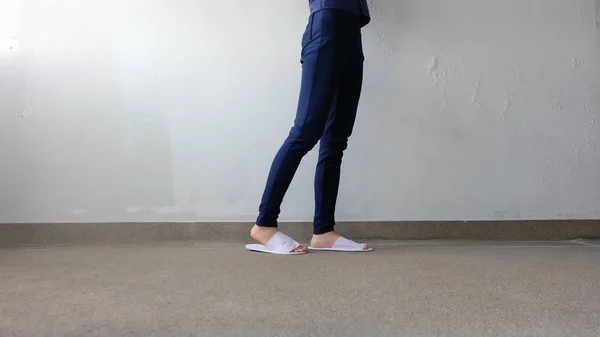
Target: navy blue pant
point(332, 73)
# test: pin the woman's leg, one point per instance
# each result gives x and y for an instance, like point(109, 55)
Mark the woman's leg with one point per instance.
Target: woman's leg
point(333, 143)
point(338, 129)
point(323, 63)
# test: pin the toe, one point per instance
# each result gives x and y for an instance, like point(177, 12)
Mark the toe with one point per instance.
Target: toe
point(365, 247)
point(300, 249)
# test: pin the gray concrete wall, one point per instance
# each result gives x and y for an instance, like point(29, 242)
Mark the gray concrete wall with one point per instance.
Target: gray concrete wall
point(129, 110)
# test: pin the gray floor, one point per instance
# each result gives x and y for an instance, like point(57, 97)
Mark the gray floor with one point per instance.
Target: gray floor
point(402, 289)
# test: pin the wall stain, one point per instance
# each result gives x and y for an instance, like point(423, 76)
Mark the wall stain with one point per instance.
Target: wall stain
point(474, 93)
point(26, 111)
point(508, 106)
point(76, 211)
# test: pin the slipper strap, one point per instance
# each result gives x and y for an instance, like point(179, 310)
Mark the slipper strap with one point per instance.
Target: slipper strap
point(281, 243)
point(343, 243)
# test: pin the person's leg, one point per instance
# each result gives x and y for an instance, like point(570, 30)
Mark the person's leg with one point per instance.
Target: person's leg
point(321, 72)
point(333, 143)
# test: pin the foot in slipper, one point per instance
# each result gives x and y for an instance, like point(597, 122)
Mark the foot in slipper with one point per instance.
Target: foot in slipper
point(332, 241)
point(274, 242)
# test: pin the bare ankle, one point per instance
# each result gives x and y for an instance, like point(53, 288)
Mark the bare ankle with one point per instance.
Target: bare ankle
point(258, 233)
point(326, 235)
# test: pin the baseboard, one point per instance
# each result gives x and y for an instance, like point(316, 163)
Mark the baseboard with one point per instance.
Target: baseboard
point(12, 235)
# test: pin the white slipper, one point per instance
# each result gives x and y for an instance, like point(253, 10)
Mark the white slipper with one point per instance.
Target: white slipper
point(279, 244)
point(344, 245)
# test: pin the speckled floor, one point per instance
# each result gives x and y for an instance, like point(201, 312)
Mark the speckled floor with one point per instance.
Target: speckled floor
point(402, 289)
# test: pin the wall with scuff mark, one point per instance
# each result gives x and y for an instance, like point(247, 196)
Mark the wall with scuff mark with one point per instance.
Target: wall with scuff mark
point(172, 110)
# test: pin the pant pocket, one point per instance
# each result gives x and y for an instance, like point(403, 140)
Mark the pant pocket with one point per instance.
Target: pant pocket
point(307, 36)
